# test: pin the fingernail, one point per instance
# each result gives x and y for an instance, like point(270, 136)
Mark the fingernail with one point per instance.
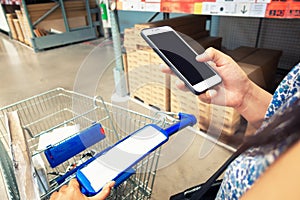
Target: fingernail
point(178, 82)
point(211, 93)
point(200, 56)
point(161, 66)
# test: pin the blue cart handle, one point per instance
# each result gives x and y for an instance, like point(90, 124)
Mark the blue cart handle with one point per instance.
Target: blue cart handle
point(185, 120)
point(125, 169)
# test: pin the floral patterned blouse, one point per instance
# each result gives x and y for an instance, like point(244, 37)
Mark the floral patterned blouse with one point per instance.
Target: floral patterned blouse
point(245, 169)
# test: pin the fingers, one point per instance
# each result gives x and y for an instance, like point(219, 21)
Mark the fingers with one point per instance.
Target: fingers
point(74, 183)
point(54, 196)
point(165, 69)
point(63, 188)
point(70, 191)
point(180, 85)
point(104, 192)
point(74, 187)
point(58, 195)
point(208, 96)
point(109, 186)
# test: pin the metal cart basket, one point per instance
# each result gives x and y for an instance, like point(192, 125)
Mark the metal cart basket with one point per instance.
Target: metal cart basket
point(43, 113)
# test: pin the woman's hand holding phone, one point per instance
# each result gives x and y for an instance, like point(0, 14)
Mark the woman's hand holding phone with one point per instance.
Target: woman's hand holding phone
point(236, 90)
point(235, 83)
point(180, 57)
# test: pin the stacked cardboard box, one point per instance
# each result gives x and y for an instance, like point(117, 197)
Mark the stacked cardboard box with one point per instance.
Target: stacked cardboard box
point(19, 27)
point(220, 119)
point(266, 59)
point(224, 118)
point(15, 22)
point(146, 82)
point(12, 27)
point(24, 27)
point(129, 39)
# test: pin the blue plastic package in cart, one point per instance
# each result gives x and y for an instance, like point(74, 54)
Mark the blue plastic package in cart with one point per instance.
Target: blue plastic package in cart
point(70, 147)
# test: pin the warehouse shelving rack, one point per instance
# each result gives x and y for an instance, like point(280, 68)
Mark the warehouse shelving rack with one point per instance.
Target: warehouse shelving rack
point(71, 35)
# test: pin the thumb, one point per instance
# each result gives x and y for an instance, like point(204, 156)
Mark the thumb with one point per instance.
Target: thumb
point(213, 55)
point(104, 192)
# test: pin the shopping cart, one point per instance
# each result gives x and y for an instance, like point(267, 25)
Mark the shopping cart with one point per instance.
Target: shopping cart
point(58, 109)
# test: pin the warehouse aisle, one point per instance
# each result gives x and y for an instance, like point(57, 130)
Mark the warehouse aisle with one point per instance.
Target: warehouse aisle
point(87, 67)
point(25, 73)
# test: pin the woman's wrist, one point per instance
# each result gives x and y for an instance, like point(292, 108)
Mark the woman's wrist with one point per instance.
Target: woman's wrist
point(246, 98)
point(254, 104)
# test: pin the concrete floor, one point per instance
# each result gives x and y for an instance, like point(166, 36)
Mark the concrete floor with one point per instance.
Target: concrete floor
point(88, 68)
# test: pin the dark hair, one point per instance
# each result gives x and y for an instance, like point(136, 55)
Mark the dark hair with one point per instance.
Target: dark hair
point(282, 126)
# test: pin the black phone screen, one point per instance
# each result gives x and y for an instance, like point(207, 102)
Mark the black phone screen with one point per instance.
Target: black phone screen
point(182, 57)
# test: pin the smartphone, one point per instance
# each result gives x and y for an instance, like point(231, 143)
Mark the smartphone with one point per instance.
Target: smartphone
point(181, 58)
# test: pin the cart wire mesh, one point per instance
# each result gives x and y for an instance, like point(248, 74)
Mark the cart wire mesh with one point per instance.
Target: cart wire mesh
point(58, 108)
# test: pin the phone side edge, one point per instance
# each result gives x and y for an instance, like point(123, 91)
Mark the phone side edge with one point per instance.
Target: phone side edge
point(160, 54)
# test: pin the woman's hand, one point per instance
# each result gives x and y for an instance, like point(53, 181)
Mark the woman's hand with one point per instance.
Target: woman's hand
point(236, 89)
point(72, 192)
point(235, 83)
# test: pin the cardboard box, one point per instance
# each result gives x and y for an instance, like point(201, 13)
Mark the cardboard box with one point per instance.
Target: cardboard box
point(11, 25)
point(59, 25)
point(129, 39)
point(146, 82)
point(223, 118)
point(240, 53)
point(18, 30)
point(254, 73)
point(208, 115)
point(24, 27)
point(268, 60)
point(215, 42)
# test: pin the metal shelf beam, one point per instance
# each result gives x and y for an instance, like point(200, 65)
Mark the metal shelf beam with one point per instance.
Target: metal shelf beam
point(84, 33)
